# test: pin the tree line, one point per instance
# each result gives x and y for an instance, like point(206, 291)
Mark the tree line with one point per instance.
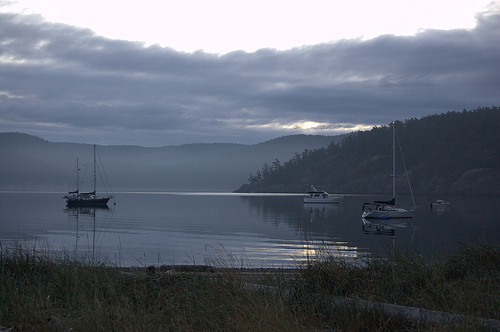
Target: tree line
point(449, 153)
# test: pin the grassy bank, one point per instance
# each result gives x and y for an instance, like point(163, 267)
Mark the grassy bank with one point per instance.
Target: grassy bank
point(44, 292)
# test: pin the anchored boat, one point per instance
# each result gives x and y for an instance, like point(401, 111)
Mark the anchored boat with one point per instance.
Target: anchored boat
point(388, 209)
point(76, 198)
point(320, 196)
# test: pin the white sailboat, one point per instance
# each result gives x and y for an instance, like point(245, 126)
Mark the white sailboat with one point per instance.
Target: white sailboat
point(388, 209)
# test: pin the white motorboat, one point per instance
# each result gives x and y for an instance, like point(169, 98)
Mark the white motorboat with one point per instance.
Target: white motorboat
point(440, 203)
point(320, 196)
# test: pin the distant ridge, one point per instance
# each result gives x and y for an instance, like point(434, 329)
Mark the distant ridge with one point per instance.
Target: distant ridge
point(20, 138)
point(31, 163)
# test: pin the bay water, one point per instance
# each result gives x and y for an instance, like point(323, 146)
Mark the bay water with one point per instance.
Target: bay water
point(237, 230)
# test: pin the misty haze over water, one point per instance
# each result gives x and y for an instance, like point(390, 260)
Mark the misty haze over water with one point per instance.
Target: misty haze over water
point(31, 163)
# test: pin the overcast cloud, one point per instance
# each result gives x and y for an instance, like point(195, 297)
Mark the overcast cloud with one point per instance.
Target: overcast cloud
point(64, 83)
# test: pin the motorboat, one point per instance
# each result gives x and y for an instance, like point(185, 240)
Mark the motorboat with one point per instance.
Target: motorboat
point(440, 203)
point(320, 196)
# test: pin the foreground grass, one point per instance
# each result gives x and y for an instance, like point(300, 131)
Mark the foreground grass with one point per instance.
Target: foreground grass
point(43, 292)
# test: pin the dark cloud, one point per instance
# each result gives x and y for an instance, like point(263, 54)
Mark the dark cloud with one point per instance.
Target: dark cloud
point(67, 84)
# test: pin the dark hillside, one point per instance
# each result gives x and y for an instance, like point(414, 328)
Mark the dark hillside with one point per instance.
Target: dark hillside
point(451, 153)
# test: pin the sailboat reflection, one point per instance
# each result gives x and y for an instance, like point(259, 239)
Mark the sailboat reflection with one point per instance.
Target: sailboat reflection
point(382, 226)
point(387, 227)
point(87, 212)
point(74, 211)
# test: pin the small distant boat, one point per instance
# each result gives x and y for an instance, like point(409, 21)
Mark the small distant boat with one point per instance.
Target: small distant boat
point(440, 203)
point(320, 196)
point(76, 198)
point(388, 209)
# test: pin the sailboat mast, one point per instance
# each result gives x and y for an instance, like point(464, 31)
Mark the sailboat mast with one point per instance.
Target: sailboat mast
point(94, 171)
point(77, 177)
point(393, 160)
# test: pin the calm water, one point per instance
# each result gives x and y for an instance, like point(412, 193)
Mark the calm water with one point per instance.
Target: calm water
point(143, 229)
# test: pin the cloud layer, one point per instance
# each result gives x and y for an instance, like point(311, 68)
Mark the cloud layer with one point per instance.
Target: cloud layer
point(67, 84)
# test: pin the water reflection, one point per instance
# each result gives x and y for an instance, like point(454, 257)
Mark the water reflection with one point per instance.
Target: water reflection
point(275, 208)
point(383, 227)
point(319, 226)
point(318, 210)
point(84, 218)
point(440, 209)
point(388, 228)
point(74, 211)
point(262, 230)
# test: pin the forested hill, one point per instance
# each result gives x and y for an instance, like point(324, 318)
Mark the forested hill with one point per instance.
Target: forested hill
point(455, 153)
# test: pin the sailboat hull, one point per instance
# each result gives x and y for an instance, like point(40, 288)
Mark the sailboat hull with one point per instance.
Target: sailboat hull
point(389, 213)
point(87, 202)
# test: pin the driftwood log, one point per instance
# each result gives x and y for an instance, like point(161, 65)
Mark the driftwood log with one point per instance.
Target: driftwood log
point(412, 314)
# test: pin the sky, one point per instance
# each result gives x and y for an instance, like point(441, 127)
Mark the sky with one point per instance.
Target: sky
point(156, 73)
